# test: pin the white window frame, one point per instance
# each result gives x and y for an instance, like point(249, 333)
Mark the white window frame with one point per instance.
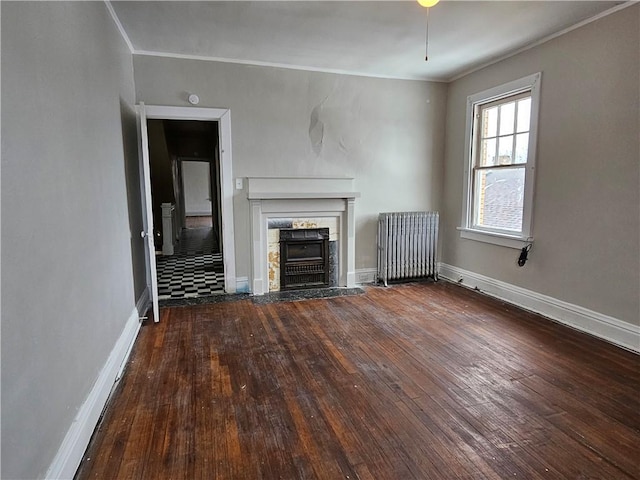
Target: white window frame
point(529, 83)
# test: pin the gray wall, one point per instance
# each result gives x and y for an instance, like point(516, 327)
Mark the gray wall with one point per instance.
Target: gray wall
point(67, 277)
point(387, 134)
point(587, 204)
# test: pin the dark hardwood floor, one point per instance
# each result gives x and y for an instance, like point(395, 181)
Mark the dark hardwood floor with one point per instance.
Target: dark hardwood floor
point(418, 381)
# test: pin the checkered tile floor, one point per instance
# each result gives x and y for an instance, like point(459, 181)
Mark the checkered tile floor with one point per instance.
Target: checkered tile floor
point(190, 276)
point(194, 271)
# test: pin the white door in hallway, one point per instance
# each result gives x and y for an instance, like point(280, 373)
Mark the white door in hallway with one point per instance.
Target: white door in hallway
point(147, 233)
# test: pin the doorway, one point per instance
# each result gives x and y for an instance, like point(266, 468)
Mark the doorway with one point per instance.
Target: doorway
point(185, 190)
point(223, 164)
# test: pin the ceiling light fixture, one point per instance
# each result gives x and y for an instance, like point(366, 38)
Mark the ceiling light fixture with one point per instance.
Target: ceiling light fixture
point(427, 4)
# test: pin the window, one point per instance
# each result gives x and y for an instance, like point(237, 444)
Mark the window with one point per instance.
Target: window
point(501, 141)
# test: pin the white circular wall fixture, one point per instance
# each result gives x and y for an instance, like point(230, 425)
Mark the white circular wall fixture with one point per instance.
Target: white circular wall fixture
point(194, 99)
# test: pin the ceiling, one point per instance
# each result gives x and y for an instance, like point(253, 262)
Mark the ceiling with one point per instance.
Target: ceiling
point(380, 39)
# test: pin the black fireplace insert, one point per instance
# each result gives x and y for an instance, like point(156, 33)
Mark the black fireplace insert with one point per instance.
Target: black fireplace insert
point(304, 258)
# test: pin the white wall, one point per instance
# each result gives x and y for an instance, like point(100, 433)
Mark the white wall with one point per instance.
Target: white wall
point(587, 201)
point(387, 134)
point(67, 279)
point(196, 179)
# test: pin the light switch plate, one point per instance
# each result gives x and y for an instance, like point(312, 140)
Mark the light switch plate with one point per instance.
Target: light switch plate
point(238, 183)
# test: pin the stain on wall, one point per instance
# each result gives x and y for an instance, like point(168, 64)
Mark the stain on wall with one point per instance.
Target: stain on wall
point(316, 130)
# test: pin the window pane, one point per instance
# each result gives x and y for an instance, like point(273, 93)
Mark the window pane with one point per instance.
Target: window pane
point(488, 153)
point(505, 150)
point(524, 114)
point(490, 122)
point(522, 147)
point(499, 197)
point(507, 117)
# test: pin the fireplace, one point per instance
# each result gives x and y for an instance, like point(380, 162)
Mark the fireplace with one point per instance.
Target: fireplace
point(329, 200)
point(304, 258)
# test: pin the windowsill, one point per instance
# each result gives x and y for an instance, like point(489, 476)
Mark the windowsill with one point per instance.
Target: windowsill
point(510, 241)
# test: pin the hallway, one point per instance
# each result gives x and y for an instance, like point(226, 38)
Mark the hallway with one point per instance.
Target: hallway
point(196, 268)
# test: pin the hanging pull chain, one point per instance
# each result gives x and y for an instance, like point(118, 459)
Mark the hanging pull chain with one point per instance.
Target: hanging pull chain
point(426, 41)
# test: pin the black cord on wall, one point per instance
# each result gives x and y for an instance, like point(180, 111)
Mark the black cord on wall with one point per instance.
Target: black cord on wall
point(522, 259)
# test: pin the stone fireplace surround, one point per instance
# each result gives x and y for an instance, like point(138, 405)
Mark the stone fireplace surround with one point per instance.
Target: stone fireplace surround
point(296, 197)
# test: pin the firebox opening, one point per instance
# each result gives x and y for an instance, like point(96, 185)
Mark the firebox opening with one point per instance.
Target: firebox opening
point(304, 258)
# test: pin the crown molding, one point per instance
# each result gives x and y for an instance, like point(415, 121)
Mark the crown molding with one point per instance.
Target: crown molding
point(121, 29)
point(259, 63)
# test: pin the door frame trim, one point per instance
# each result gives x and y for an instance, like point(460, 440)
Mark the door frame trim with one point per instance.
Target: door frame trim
point(223, 117)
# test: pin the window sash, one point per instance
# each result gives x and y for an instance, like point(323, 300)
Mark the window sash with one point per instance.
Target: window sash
point(511, 211)
point(512, 137)
point(511, 91)
point(511, 222)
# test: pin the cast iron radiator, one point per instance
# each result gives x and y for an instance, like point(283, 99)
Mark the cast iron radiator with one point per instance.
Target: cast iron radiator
point(407, 245)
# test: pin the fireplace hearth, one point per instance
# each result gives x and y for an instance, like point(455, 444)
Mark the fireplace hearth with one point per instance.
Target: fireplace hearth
point(304, 258)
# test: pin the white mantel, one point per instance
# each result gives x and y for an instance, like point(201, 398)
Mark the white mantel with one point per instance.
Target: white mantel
point(295, 197)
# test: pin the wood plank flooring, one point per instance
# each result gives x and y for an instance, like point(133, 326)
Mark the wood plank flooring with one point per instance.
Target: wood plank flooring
point(417, 381)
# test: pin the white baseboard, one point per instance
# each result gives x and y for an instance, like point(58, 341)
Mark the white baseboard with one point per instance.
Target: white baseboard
point(242, 285)
point(143, 303)
point(608, 328)
point(366, 275)
point(77, 439)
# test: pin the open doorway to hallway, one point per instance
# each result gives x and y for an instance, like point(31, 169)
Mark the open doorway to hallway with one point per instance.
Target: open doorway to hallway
point(185, 188)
